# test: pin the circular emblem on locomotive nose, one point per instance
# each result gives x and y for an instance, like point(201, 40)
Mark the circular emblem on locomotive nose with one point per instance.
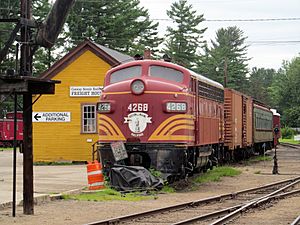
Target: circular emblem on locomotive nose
point(137, 121)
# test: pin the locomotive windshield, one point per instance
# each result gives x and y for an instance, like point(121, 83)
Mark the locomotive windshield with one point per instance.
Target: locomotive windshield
point(125, 74)
point(166, 73)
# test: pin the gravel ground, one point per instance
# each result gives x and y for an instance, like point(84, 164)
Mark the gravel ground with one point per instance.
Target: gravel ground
point(254, 174)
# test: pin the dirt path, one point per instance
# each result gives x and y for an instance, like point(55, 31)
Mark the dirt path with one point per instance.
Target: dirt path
point(254, 174)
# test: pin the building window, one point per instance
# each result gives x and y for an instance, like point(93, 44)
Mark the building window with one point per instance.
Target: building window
point(88, 118)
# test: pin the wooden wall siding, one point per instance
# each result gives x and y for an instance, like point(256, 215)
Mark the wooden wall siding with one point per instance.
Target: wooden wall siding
point(62, 141)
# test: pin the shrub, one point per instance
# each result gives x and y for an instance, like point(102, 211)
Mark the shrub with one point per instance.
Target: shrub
point(287, 132)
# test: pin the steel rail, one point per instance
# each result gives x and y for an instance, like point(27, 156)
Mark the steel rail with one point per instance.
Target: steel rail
point(290, 145)
point(231, 209)
point(209, 215)
point(256, 202)
point(296, 221)
point(187, 204)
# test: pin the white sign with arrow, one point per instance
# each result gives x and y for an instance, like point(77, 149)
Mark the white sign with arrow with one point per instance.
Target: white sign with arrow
point(51, 117)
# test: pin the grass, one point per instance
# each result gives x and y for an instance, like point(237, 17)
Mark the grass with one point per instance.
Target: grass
point(7, 149)
point(260, 158)
point(109, 195)
point(216, 174)
point(167, 189)
point(288, 141)
point(52, 163)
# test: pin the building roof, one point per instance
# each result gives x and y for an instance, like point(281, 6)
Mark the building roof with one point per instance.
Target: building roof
point(122, 58)
point(110, 56)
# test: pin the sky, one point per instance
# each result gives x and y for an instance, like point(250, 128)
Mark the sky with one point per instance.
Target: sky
point(270, 42)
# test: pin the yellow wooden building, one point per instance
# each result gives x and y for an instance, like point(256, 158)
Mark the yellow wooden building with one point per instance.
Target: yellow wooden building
point(64, 124)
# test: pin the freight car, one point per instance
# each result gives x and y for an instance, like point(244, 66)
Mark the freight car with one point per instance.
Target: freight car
point(238, 122)
point(7, 129)
point(248, 126)
point(167, 117)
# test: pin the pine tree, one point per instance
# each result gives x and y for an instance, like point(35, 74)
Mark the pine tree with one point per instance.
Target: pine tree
point(43, 58)
point(120, 24)
point(185, 39)
point(9, 9)
point(227, 58)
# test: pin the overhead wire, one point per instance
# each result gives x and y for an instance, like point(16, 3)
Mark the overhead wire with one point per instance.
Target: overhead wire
point(242, 20)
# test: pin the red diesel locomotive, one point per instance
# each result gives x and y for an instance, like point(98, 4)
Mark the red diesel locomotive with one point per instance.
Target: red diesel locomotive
point(174, 120)
point(169, 118)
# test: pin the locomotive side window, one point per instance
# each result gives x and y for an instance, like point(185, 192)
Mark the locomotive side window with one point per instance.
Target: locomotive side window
point(166, 73)
point(125, 74)
point(88, 118)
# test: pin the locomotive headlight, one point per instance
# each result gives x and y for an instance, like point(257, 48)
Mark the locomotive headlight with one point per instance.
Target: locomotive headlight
point(103, 107)
point(137, 87)
point(176, 106)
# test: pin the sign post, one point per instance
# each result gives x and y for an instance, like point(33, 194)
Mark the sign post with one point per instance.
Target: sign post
point(275, 166)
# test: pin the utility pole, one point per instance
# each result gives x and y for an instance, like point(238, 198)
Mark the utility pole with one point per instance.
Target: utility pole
point(26, 70)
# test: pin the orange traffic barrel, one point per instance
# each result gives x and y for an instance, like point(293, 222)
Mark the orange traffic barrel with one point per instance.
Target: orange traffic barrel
point(95, 176)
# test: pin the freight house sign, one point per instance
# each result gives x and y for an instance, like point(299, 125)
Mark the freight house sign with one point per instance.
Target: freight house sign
point(85, 91)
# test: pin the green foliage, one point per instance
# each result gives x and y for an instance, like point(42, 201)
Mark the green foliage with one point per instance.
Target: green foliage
point(8, 10)
point(259, 82)
point(184, 40)
point(227, 57)
point(216, 174)
point(7, 104)
point(121, 25)
point(287, 133)
point(285, 92)
point(291, 116)
point(108, 195)
point(155, 172)
point(6, 149)
point(40, 9)
point(167, 189)
point(288, 141)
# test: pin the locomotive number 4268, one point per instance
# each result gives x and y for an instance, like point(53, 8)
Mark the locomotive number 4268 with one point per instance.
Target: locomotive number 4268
point(138, 107)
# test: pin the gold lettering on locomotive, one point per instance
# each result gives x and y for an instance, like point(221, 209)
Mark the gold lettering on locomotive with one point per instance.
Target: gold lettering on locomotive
point(137, 122)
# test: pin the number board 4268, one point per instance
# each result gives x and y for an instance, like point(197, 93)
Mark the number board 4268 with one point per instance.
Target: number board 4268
point(138, 107)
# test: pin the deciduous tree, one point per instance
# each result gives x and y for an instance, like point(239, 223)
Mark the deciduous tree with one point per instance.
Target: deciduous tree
point(285, 92)
point(260, 81)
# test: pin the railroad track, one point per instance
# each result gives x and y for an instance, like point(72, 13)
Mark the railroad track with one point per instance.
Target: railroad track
point(291, 145)
point(209, 210)
point(296, 221)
